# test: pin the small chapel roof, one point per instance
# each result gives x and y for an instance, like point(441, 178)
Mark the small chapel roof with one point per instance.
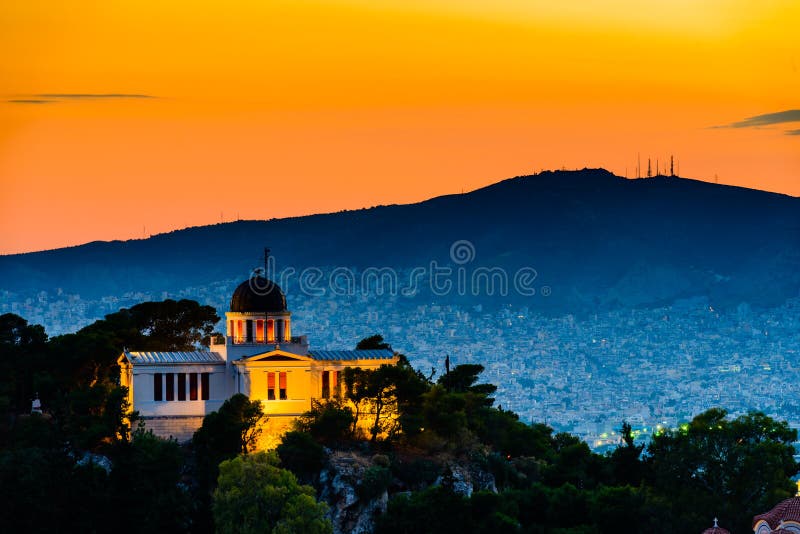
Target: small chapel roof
point(344, 355)
point(788, 510)
point(716, 529)
point(171, 358)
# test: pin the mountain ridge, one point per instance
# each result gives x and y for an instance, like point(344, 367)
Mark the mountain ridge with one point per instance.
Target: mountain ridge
point(595, 238)
point(366, 208)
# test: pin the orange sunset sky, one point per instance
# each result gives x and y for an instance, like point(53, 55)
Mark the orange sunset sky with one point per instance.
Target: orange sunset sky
point(120, 118)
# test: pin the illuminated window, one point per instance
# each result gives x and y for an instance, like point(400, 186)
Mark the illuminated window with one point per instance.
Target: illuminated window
point(326, 384)
point(170, 386)
point(231, 328)
point(260, 331)
point(157, 387)
point(270, 330)
point(270, 386)
point(282, 386)
point(287, 335)
point(193, 386)
point(239, 331)
point(337, 390)
point(181, 386)
point(205, 384)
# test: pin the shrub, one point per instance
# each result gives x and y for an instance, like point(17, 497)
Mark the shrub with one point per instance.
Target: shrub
point(300, 454)
point(374, 482)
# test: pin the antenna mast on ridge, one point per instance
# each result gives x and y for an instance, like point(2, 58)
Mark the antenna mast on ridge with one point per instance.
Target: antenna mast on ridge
point(266, 260)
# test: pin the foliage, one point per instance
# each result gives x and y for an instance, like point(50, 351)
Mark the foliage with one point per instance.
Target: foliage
point(166, 325)
point(43, 490)
point(374, 342)
point(329, 422)
point(431, 510)
point(462, 379)
point(736, 468)
point(233, 429)
point(391, 395)
point(301, 454)
point(77, 376)
point(374, 481)
point(150, 468)
point(627, 469)
point(22, 350)
point(254, 495)
point(416, 473)
point(373, 392)
point(548, 482)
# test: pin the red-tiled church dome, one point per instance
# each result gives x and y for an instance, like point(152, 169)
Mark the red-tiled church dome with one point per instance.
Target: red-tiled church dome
point(785, 517)
point(716, 529)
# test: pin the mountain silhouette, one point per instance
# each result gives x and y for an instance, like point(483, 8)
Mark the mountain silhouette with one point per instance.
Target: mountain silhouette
point(596, 241)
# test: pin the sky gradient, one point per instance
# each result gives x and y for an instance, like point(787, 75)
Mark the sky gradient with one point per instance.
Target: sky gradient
point(120, 119)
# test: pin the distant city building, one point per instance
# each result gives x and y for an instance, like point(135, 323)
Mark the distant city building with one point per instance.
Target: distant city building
point(259, 357)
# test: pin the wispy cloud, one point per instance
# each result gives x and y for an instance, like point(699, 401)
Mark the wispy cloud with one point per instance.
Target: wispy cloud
point(29, 101)
point(91, 95)
point(49, 98)
point(768, 119)
point(790, 115)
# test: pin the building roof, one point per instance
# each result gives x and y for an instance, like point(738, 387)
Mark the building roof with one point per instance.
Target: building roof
point(716, 530)
point(344, 355)
point(259, 295)
point(788, 510)
point(171, 358)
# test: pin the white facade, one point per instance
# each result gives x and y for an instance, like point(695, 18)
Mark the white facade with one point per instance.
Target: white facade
point(173, 391)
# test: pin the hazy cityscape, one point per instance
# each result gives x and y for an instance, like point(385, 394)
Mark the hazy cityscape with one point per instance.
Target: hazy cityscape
point(585, 375)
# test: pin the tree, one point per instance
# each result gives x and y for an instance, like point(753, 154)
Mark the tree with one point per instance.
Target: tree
point(151, 468)
point(410, 388)
point(22, 349)
point(731, 468)
point(436, 509)
point(77, 376)
point(97, 415)
point(301, 454)
point(626, 465)
point(254, 495)
point(375, 391)
point(233, 429)
point(374, 342)
point(90, 355)
point(462, 379)
point(357, 391)
point(166, 325)
point(329, 421)
point(391, 394)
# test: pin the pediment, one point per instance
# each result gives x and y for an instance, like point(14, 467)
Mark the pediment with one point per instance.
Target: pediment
point(276, 356)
